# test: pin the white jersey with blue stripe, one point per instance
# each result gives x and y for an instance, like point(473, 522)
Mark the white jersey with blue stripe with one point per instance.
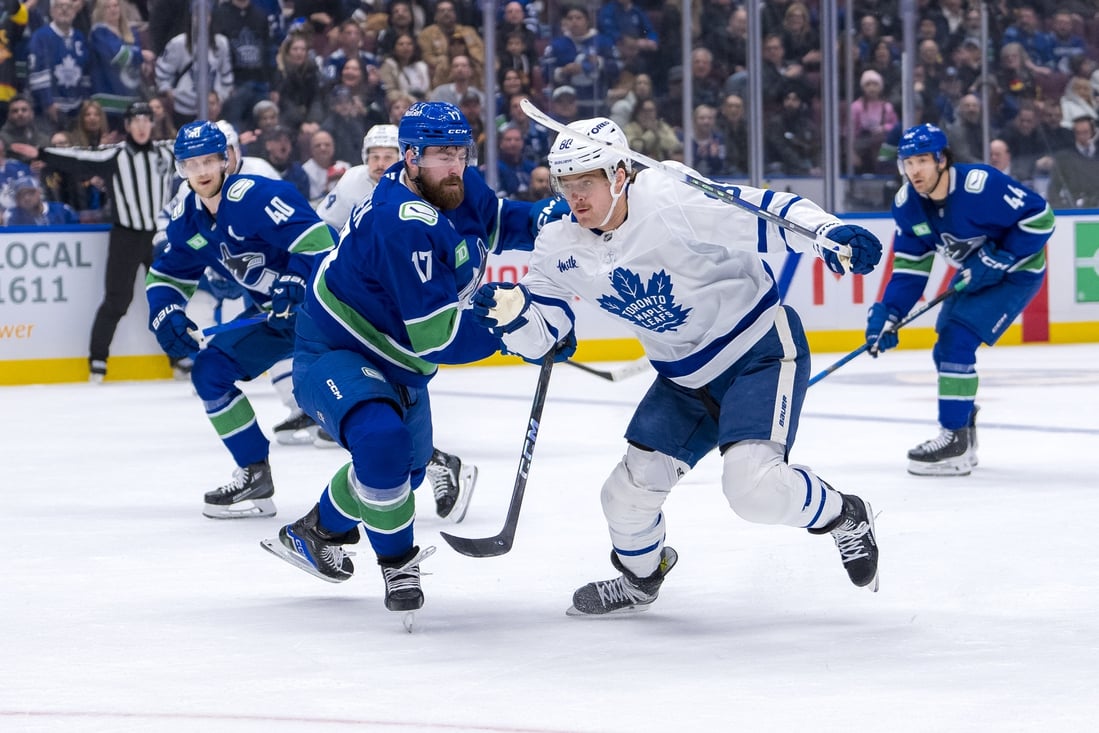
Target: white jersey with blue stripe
point(684, 273)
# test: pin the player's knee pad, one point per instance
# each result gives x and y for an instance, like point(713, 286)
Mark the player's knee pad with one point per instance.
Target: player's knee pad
point(753, 482)
point(380, 444)
point(956, 349)
point(638, 486)
point(214, 375)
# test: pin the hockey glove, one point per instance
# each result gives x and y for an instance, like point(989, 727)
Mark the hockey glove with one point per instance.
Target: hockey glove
point(287, 295)
point(172, 328)
point(565, 348)
point(865, 249)
point(983, 269)
point(500, 306)
point(547, 210)
point(881, 329)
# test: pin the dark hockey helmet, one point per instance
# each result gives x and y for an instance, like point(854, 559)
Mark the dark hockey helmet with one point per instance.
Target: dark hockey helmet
point(198, 139)
point(434, 124)
point(922, 139)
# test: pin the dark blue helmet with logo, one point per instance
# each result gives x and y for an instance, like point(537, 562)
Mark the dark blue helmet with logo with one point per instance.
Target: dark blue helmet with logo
point(922, 139)
point(439, 124)
point(199, 138)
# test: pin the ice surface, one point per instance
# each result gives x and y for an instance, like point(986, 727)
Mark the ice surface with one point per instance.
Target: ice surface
point(123, 609)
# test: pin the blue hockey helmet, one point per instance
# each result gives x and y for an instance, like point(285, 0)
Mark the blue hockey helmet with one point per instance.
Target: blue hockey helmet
point(922, 139)
point(438, 124)
point(196, 139)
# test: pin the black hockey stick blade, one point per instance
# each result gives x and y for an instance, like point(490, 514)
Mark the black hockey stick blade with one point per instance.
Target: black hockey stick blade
point(501, 543)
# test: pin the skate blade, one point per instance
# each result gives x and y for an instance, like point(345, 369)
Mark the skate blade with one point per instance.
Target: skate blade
point(305, 436)
point(249, 509)
point(282, 552)
point(466, 481)
point(408, 620)
point(325, 444)
point(628, 611)
point(955, 467)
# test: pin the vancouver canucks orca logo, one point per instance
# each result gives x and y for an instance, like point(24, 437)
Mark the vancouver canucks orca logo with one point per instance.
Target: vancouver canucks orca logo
point(956, 250)
point(650, 305)
point(243, 264)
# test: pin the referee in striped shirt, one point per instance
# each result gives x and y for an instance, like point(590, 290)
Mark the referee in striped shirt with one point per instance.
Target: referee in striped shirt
point(139, 174)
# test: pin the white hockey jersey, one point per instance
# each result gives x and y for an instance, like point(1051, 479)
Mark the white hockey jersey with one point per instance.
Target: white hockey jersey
point(683, 272)
point(353, 187)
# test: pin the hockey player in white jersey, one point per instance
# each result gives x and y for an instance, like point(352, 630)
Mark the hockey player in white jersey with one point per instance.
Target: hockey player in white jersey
point(683, 271)
point(380, 150)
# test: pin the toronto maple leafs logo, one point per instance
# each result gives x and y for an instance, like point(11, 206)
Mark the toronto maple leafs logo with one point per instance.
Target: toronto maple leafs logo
point(956, 249)
point(241, 265)
point(68, 72)
point(650, 306)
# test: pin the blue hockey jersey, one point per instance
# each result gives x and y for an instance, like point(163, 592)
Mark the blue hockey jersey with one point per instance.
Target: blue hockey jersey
point(983, 206)
point(263, 228)
point(398, 287)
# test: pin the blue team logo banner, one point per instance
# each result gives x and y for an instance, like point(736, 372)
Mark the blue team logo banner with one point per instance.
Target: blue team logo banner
point(650, 305)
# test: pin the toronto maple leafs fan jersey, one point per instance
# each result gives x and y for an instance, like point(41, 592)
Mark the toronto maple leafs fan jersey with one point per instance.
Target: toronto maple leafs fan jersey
point(982, 206)
point(398, 287)
point(264, 228)
point(683, 272)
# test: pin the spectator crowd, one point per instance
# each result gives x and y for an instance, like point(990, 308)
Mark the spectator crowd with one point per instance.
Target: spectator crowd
point(303, 80)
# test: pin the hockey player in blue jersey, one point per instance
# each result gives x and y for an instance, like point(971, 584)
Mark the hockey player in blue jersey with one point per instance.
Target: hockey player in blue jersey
point(387, 306)
point(263, 235)
point(683, 272)
point(994, 230)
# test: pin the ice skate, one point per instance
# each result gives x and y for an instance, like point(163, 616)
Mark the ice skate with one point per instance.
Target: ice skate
point(402, 583)
point(949, 454)
point(306, 545)
point(973, 436)
point(625, 594)
point(247, 495)
point(97, 369)
point(298, 429)
point(323, 439)
point(853, 532)
point(453, 483)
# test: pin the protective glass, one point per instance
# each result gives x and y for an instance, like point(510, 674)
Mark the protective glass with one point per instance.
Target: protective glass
point(203, 166)
point(577, 186)
point(444, 158)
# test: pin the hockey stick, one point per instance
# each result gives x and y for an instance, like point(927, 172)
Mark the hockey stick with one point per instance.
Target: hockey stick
point(896, 327)
point(501, 543)
point(718, 191)
point(615, 375)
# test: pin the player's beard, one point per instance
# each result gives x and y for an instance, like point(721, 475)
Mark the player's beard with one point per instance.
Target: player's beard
point(447, 194)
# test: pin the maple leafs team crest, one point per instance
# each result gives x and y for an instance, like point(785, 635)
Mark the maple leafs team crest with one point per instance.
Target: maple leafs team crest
point(650, 305)
point(67, 72)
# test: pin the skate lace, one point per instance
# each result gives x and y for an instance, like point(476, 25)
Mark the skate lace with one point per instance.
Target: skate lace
point(850, 541)
point(334, 555)
point(619, 590)
point(442, 479)
point(407, 575)
point(240, 478)
point(945, 438)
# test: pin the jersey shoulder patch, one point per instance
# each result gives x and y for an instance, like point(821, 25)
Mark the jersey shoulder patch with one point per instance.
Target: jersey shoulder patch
point(238, 188)
point(177, 210)
point(418, 211)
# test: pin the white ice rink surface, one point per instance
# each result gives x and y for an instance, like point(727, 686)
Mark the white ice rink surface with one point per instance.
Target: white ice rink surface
point(123, 609)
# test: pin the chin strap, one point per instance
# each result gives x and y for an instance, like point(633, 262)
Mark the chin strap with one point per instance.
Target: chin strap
point(614, 200)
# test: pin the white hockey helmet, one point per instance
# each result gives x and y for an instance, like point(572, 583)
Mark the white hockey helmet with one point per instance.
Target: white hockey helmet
point(380, 136)
point(571, 155)
point(231, 137)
